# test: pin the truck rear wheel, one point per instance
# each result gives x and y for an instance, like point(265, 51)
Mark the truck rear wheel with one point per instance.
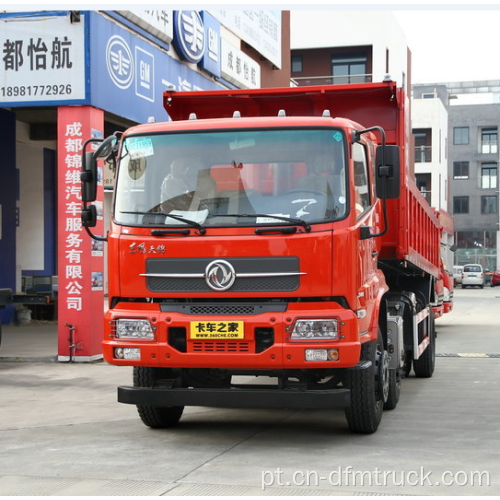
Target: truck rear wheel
point(154, 416)
point(424, 366)
point(368, 387)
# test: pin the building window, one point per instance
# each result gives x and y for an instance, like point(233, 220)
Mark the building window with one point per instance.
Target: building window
point(423, 182)
point(460, 204)
point(489, 175)
point(349, 69)
point(423, 145)
point(475, 239)
point(489, 204)
point(489, 140)
point(460, 170)
point(297, 64)
point(460, 135)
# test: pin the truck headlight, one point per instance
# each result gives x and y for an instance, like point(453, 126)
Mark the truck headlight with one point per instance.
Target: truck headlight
point(315, 329)
point(134, 329)
point(446, 295)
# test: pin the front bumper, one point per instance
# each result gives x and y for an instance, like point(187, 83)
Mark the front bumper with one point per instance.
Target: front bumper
point(235, 397)
point(242, 353)
point(241, 396)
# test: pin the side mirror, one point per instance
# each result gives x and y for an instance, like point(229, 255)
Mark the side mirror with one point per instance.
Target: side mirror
point(89, 216)
point(106, 148)
point(387, 172)
point(88, 177)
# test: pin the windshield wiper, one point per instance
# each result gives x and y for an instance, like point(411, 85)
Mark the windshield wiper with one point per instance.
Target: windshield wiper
point(189, 222)
point(290, 220)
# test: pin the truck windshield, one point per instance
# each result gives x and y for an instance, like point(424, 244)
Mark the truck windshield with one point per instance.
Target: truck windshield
point(222, 178)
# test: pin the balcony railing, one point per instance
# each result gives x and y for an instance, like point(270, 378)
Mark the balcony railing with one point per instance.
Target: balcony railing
point(304, 81)
point(423, 154)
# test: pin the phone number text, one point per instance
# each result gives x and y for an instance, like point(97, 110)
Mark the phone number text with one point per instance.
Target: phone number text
point(36, 90)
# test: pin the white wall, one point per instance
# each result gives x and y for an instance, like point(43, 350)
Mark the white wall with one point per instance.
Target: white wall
point(431, 114)
point(343, 28)
point(30, 232)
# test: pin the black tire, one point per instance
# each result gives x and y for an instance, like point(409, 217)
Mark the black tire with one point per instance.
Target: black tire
point(424, 366)
point(367, 393)
point(394, 389)
point(153, 416)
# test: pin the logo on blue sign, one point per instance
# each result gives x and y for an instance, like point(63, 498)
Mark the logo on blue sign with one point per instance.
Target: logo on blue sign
point(211, 59)
point(144, 85)
point(119, 62)
point(189, 35)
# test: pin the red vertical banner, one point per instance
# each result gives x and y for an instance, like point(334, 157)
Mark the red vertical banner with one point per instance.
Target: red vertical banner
point(80, 259)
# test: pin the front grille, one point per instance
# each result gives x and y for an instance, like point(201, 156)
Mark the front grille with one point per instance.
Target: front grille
point(222, 309)
point(193, 285)
point(230, 347)
point(242, 265)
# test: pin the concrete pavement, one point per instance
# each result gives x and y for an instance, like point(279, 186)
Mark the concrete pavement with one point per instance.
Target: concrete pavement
point(63, 433)
point(36, 341)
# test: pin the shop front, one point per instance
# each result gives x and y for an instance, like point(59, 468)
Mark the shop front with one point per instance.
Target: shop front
point(66, 77)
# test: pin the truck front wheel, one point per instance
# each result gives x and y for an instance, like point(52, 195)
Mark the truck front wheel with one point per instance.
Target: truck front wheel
point(369, 389)
point(154, 416)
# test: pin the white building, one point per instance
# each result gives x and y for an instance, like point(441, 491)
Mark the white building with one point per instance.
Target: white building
point(429, 120)
point(348, 47)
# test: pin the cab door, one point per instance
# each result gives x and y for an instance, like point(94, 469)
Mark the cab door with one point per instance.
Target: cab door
point(368, 282)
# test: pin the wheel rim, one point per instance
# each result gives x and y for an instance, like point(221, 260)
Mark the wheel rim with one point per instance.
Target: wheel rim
point(382, 374)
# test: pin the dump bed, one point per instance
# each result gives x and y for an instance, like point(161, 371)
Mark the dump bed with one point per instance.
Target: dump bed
point(413, 240)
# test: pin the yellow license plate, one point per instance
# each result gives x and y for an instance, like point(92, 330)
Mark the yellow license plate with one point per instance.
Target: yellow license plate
point(213, 330)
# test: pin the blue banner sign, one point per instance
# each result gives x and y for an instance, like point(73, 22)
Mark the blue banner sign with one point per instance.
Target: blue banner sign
point(211, 61)
point(129, 75)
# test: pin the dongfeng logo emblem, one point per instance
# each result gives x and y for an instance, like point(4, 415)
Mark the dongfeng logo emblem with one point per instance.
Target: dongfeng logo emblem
point(220, 275)
point(119, 61)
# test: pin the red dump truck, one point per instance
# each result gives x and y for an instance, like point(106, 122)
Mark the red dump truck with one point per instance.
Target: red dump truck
point(269, 248)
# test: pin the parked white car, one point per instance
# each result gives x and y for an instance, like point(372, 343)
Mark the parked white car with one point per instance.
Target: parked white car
point(472, 275)
point(457, 274)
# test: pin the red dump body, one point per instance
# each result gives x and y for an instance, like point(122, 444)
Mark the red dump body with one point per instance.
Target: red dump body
point(414, 234)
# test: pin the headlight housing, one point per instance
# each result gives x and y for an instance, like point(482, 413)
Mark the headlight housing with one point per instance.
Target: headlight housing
point(446, 295)
point(315, 329)
point(134, 329)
